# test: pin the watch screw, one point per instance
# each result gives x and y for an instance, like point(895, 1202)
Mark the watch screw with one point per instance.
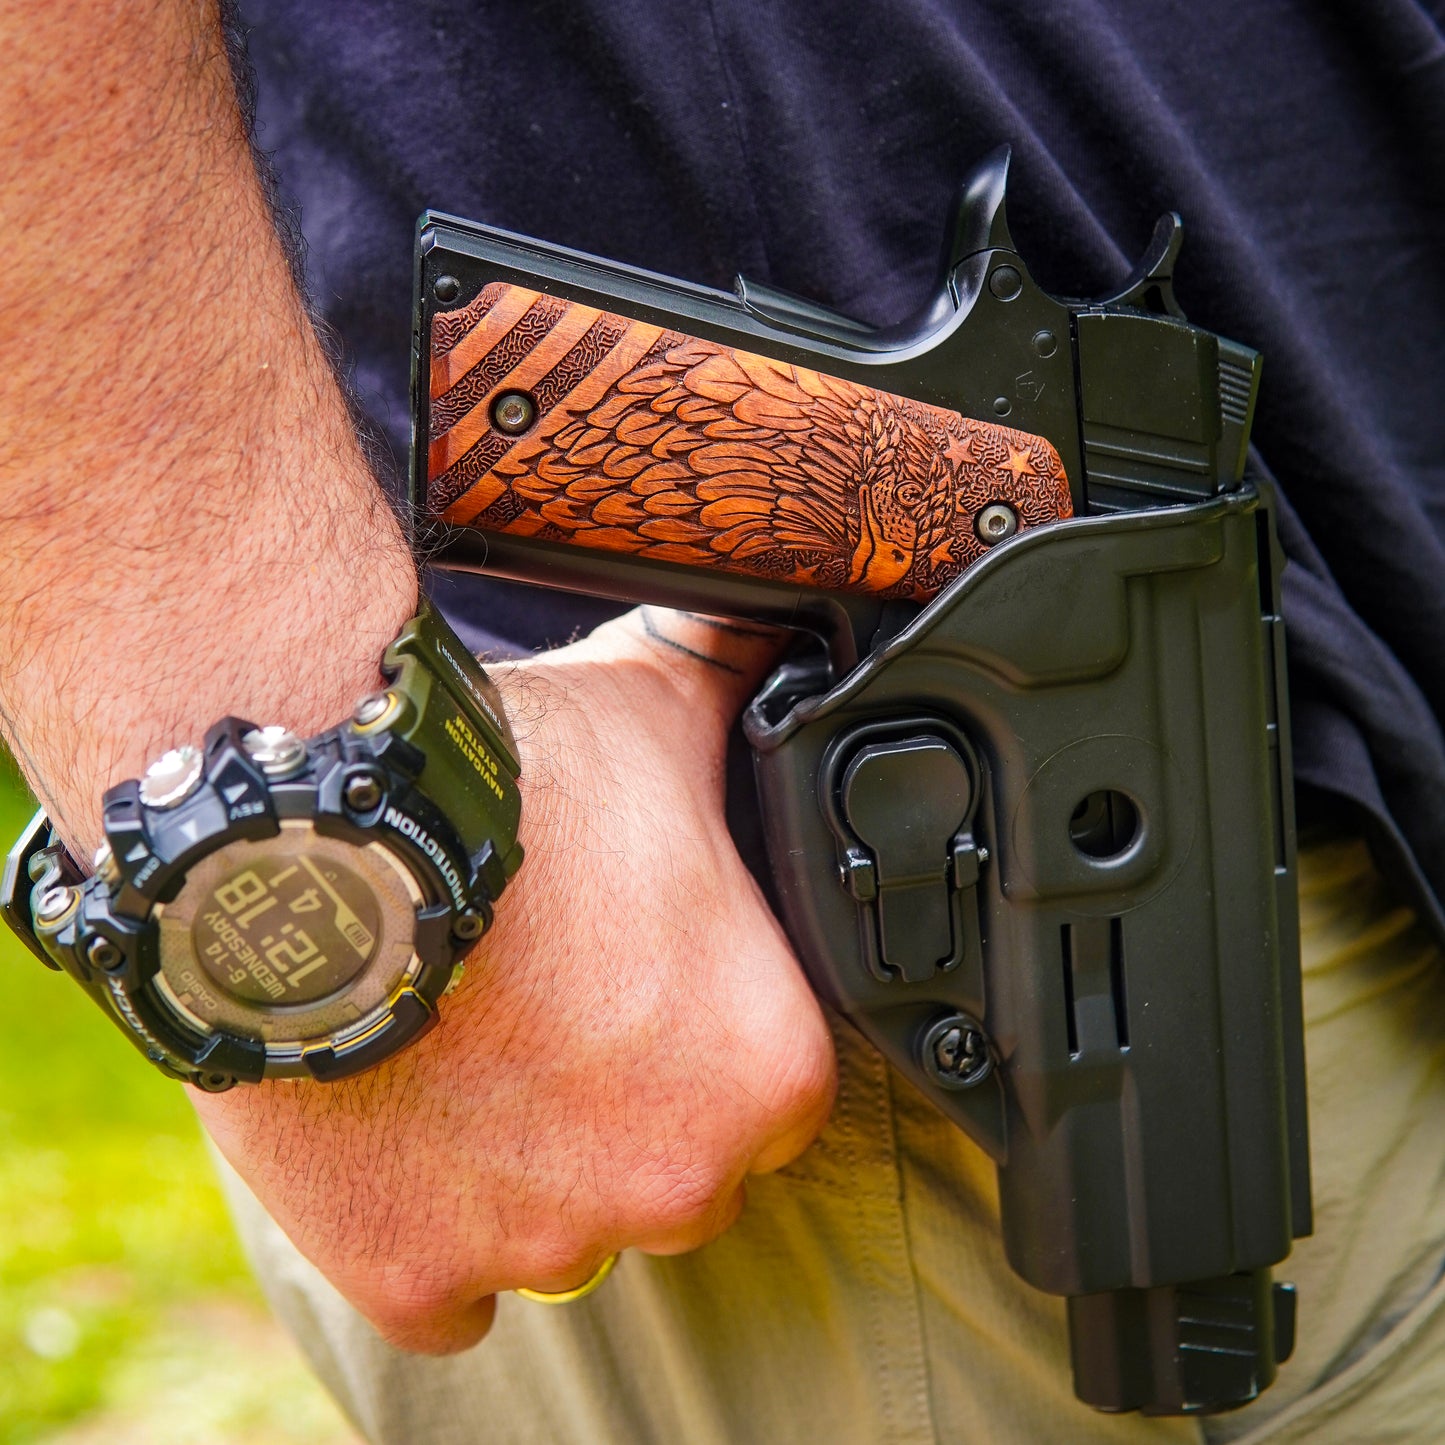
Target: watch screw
point(103, 953)
point(468, 926)
point(362, 792)
point(172, 778)
point(955, 1052)
point(54, 904)
point(513, 412)
point(446, 289)
point(995, 523)
point(371, 709)
point(105, 866)
point(278, 750)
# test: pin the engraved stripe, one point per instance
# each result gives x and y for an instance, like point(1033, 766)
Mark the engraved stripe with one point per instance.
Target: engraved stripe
point(533, 364)
point(565, 379)
point(448, 327)
point(503, 358)
point(448, 368)
point(462, 407)
point(458, 492)
point(549, 326)
point(635, 344)
point(447, 408)
point(573, 326)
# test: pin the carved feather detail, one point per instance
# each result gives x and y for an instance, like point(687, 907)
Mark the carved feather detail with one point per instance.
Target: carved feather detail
point(684, 450)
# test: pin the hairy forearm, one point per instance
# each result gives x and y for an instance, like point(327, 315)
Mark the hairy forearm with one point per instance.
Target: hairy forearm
point(187, 524)
point(187, 528)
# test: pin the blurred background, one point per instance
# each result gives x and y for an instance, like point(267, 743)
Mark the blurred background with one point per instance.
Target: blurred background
point(127, 1315)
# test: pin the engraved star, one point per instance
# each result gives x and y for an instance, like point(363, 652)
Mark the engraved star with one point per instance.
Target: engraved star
point(1018, 464)
point(942, 555)
point(960, 451)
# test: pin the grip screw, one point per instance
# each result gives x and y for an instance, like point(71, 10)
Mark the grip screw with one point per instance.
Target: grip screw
point(996, 523)
point(955, 1052)
point(513, 412)
point(446, 289)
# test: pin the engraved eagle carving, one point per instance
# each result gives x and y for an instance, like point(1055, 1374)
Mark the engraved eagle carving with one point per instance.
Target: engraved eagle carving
point(684, 450)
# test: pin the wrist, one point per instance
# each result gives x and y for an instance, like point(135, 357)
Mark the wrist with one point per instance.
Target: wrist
point(187, 525)
point(91, 700)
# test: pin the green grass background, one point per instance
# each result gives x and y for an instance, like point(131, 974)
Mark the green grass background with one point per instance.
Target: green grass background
point(126, 1312)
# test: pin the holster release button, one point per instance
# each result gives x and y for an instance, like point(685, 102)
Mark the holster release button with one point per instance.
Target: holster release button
point(906, 800)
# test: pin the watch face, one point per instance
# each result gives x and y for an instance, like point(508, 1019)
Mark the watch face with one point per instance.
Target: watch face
point(287, 931)
point(295, 941)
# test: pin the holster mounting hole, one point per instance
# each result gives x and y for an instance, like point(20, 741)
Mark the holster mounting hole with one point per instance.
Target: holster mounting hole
point(1105, 824)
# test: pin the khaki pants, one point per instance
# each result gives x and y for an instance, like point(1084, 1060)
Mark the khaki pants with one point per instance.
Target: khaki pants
point(863, 1298)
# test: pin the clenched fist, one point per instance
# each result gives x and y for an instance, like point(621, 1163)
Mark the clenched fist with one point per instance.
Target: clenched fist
point(631, 1040)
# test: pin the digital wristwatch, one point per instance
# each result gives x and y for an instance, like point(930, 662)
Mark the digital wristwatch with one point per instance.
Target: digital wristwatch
point(271, 907)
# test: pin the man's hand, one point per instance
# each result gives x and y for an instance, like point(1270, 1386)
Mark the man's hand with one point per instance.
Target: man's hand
point(630, 1041)
point(190, 530)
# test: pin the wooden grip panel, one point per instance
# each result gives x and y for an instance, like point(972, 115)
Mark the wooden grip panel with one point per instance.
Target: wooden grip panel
point(643, 440)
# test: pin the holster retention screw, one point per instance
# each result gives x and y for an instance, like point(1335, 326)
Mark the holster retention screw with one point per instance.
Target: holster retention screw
point(371, 708)
point(955, 1052)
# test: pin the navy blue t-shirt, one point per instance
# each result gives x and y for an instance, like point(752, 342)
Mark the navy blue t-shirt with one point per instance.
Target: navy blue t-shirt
point(816, 147)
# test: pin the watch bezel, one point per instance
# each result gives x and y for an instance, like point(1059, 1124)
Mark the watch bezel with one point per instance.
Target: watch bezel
point(287, 1031)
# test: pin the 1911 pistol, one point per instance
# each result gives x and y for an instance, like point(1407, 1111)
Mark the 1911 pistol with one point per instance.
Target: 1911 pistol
point(1028, 802)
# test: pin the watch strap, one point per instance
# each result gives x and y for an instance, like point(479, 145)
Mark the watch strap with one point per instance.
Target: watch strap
point(447, 707)
point(36, 853)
